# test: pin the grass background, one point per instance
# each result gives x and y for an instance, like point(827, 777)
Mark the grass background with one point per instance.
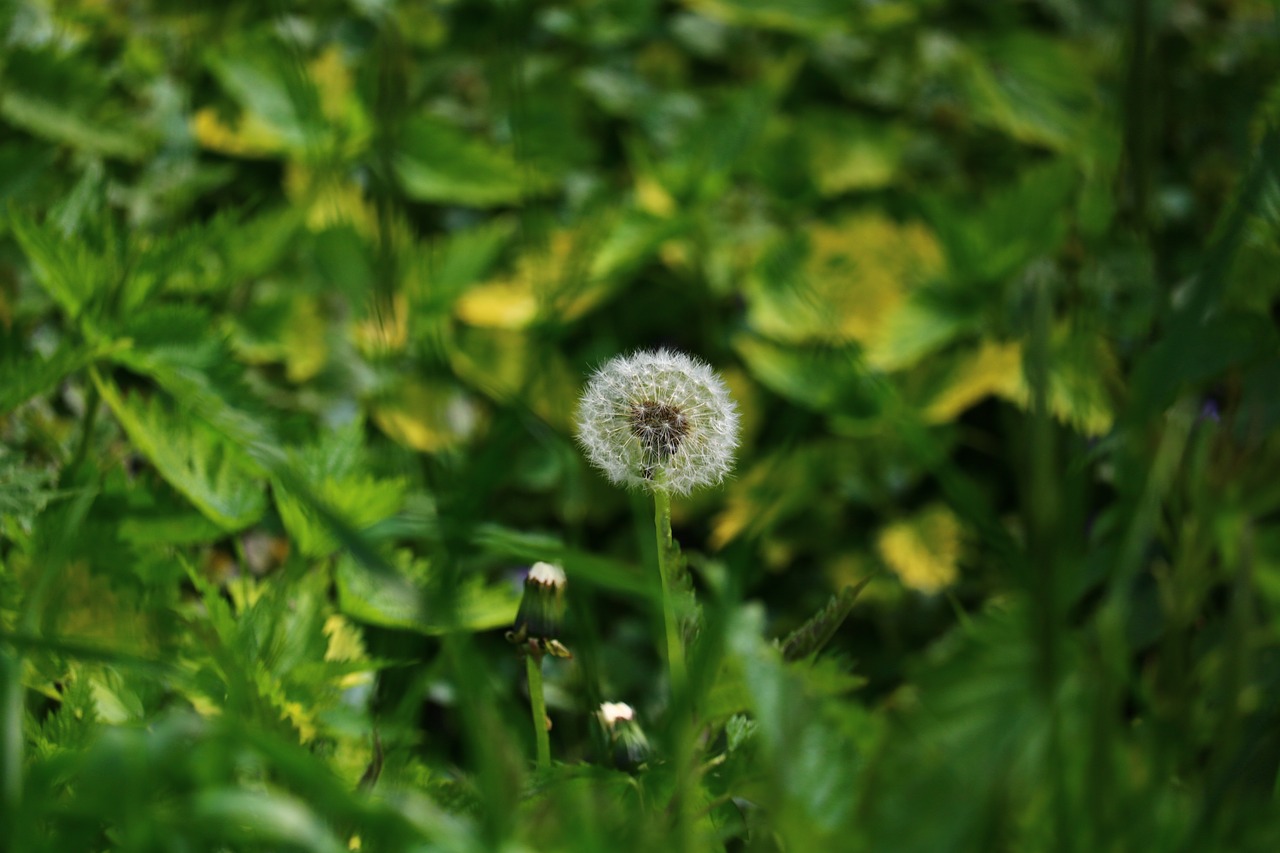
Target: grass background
point(296, 301)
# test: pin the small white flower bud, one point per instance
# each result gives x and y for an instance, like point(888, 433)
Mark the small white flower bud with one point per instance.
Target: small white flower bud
point(658, 420)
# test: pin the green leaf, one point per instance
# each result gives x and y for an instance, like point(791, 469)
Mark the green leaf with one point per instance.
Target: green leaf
point(63, 99)
point(210, 472)
point(402, 601)
point(333, 469)
point(810, 637)
point(24, 378)
point(24, 491)
point(847, 153)
point(270, 84)
point(437, 162)
point(1016, 224)
point(829, 379)
point(67, 269)
point(263, 817)
point(1030, 87)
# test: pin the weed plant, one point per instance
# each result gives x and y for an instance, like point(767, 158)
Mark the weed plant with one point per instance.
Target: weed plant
point(735, 425)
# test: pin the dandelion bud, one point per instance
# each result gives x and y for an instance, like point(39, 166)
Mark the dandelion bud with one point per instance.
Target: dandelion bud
point(630, 746)
point(658, 420)
point(541, 612)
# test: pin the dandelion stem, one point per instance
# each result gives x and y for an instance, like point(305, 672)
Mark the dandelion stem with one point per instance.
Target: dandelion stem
point(675, 646)
point(682, 722)
point(538, 705)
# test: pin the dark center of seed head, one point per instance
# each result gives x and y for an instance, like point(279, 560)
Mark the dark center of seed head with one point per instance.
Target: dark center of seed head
point(659, 426)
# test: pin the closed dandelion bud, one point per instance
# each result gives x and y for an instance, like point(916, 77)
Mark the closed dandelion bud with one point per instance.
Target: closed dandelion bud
point(541, 613)
point(658, 420)
point(629, 745)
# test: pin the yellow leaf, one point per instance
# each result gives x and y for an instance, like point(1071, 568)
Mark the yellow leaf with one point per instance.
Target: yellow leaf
point(428, 416)
point(504, 304)
point(345, 644)
point(249, 138)
point(330, 200)
point(923, 550)
point(996, 368)
point(386, 331)
point(857, 274)
point(561, 279)
point(653, 198)
point(305, 348)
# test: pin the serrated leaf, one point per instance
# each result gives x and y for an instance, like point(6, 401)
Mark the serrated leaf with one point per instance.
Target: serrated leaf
point(22, 379)
point(810, 637)
point(439, 163)
point(207, 470)
point(334, 472)
point(66, 269)
point(402, 601)
point(1029, 86)
point(282, 102)
point(825, 378)
point(1014, 225)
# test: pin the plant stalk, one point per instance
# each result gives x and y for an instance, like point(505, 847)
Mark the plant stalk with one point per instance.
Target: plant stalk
point(538, 706)
point(681, 723)
point(675, 645)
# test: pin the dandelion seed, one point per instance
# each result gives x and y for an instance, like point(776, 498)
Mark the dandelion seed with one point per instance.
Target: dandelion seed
point(658, 420)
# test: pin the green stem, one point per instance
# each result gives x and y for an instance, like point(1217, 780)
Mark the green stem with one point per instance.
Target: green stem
point(675, 646)
point(538, 705)
point(682, 722)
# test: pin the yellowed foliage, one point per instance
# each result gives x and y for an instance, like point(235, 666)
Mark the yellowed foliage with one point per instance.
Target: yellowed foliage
point(386, 330)
point(558, 278)
point(333, 81)
point(306, 350)
point(1077, 393)
point(249, 137)
point(857, 274)
point(503, 304)
point(924, 549)
point(430, 416)
point(653, 198)
point(330, 199)
point(995, 368)
point(503, 365)
point(345, 644)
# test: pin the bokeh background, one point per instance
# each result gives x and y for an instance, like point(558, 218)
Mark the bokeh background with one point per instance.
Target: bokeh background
point(296, 300)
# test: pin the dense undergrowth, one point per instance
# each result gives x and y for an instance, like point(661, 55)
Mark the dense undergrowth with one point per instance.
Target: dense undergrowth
point(296, 305)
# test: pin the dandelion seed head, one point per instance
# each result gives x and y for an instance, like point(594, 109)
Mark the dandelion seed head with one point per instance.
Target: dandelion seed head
point(658, 419)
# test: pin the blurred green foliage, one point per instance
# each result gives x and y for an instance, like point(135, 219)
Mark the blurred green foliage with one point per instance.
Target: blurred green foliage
point(295, 304)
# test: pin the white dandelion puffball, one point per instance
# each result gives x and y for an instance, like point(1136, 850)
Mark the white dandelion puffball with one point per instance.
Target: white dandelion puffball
point(658, 420)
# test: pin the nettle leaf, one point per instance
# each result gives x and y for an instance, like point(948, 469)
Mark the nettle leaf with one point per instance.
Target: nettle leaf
point(1029, 87)
point(844, 281)
point(803, 17)
point(24, 491)
point(826, 378)
point(24, 378)
point(180, 348)
point(208, 470)
point(1016, 223)
point(268, 82)
point(812, 763)
point(67, 269)
point(810, 637)
point(64, 99)
point(437, 162)
point(334, 471)
point(405, 601)
point(847, 153)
